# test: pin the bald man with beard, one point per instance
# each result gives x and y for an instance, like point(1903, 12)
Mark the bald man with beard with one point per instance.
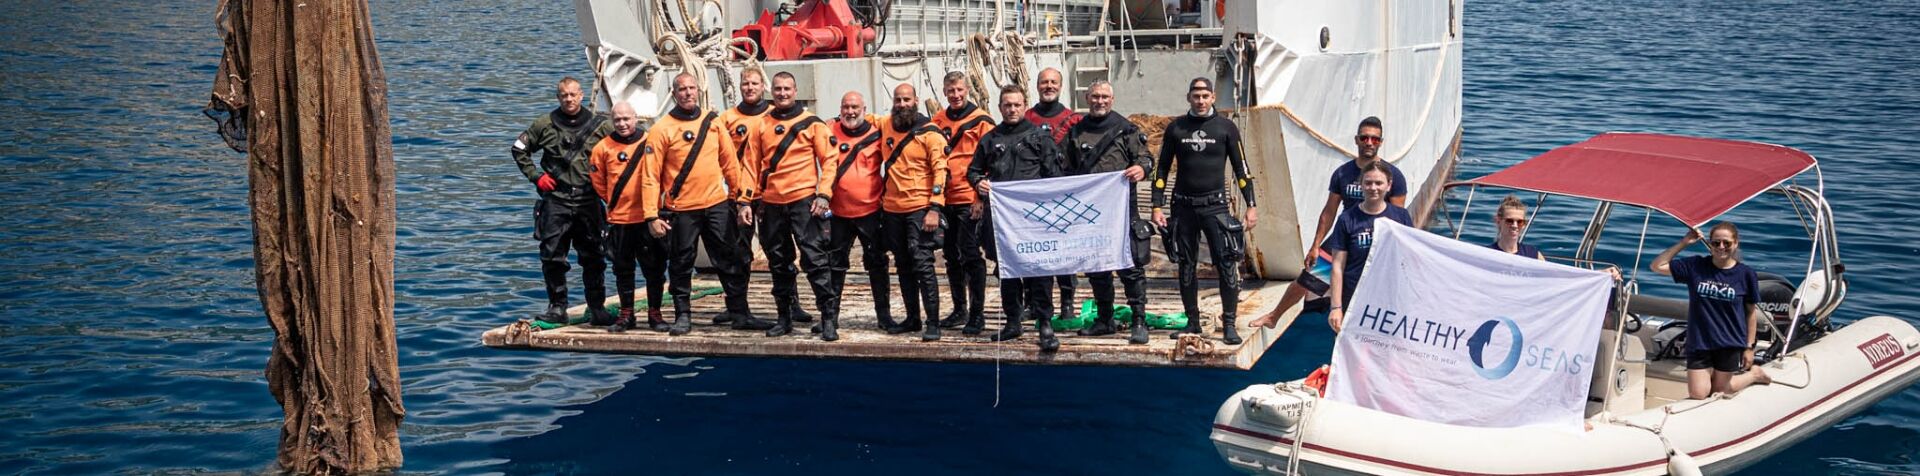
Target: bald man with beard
point(914, 173)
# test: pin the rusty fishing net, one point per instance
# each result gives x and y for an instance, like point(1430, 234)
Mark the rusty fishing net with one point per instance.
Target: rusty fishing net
point(301, 91)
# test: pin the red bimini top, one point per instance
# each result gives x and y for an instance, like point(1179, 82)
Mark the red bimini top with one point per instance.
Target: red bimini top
point(1693, 179)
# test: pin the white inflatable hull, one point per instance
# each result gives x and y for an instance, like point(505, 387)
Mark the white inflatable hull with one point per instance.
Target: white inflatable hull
point(1816, 387)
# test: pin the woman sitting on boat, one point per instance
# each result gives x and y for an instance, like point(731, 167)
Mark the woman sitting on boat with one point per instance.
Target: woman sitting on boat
point(1722, 301)
point(1511, 220)
point(1352, 236)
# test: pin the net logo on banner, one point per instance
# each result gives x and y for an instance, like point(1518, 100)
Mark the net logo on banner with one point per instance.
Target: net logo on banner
point(1063, 213)
point(1062, 225)
point(1454, 333)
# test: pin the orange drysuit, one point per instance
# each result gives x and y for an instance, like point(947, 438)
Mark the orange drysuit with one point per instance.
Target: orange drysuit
point(804, 170)
point(963, 127)
point(711, 179)
point(610, 159)
point(913, 166)
point(856, 184)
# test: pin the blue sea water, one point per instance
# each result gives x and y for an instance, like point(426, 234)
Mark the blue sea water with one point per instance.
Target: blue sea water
point(131, 339)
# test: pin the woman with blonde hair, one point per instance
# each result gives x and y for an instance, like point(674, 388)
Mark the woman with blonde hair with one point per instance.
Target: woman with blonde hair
point(1511, 221)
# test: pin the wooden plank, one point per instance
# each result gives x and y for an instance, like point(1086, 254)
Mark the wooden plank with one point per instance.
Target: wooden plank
point(860, 338)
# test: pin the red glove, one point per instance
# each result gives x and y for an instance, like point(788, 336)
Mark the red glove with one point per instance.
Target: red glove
point(545, 183)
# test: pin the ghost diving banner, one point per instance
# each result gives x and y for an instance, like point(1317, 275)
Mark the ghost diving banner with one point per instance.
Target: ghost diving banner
point(1062, 225)
point(1450, 332)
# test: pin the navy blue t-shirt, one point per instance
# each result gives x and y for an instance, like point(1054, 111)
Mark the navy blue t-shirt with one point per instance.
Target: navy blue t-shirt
point(1523, 250)
point(1717, 301)
point(1346, 184)
point(1353, 232)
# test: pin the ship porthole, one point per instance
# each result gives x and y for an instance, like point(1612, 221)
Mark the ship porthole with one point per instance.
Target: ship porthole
point(1326, 38)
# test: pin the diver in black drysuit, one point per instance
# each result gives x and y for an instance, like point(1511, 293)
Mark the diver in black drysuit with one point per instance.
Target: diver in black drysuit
point(1202, 145)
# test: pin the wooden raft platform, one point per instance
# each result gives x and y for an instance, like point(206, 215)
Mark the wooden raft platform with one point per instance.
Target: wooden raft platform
point(861, 339)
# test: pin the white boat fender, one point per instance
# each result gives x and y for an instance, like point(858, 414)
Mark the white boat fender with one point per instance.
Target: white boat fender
point(1284, 408)
point(1290, 407)
point(1679, 464)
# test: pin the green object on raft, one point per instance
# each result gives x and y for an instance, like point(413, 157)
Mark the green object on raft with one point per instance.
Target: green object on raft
point(613, 307)
point(1122, 315)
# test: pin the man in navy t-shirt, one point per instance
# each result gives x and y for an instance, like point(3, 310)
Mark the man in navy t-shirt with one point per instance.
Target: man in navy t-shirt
point(1343, 193)
point(1345, 183)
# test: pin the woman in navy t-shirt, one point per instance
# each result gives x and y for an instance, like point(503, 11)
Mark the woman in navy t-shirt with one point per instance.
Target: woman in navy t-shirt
point(1722, 298)
point(1511, 220)
point(1352, 236)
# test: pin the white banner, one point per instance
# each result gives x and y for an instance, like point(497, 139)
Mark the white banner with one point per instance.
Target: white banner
point(1457, 333)
point(1062, 225)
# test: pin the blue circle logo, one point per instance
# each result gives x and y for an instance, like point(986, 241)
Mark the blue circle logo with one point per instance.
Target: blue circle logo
point(1477, 346)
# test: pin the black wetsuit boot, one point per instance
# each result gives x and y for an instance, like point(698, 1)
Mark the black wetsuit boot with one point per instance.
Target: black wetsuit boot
point(682, 318)
point(556, 313)
point(799, 312)
point(784, 323)
point(1139, 326)
point(1103, 305)
point(1012, 298)
point(830, 323)
point(1048, 343)
point(624, 322)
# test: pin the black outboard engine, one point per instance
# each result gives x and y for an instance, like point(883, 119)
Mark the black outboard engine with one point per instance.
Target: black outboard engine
point(1776, 298)
point(1776, 301)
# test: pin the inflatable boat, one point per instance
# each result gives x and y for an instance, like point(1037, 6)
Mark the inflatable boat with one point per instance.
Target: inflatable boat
point(1639, 419)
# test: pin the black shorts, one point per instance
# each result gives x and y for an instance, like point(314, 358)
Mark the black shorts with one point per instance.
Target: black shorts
point(1724, 360)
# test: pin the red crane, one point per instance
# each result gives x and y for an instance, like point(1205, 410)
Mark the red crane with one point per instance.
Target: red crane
point(817, 29)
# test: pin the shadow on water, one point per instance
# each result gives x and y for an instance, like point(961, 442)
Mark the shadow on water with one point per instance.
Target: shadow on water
point(753, 416)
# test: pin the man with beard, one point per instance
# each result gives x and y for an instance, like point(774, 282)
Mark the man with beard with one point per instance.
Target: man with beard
point(568, 213)
point(616, 160)
point(1016, 150)
point(691, 190)
point(1055, 119)
point(1106, 142)
point(1203, 145)
point(914, 172)
point(855, 205)
point(790, 155)
point(964, 123)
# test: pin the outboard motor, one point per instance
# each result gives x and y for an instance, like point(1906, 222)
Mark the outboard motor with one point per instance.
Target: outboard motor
point(1776, 298)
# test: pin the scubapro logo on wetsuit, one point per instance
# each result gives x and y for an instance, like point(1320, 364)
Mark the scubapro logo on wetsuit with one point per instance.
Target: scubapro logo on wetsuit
point(1198, 141)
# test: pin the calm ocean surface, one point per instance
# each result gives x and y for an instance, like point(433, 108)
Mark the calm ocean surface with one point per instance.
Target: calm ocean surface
point(131, 340)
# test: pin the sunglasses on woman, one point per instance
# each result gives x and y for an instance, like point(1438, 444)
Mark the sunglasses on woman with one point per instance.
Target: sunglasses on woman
point(1721, 243)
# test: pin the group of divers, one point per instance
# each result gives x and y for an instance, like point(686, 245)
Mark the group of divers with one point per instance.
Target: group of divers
point(908, 184)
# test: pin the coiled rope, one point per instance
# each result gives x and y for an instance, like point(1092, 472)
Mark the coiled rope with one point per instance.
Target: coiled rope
point(672, 49)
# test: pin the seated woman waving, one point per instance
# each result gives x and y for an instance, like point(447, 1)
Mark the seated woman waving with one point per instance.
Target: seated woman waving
point(1722, 301)
point(1352, 237)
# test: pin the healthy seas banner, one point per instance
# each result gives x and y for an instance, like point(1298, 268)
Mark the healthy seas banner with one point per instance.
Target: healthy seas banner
point(1450, 332)
point(1062, 225)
